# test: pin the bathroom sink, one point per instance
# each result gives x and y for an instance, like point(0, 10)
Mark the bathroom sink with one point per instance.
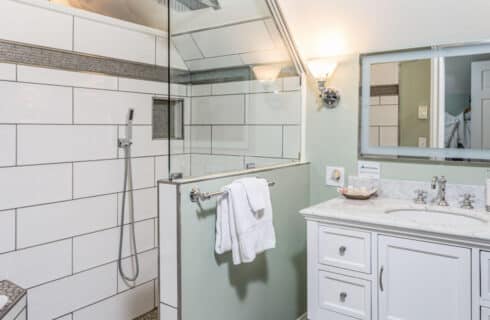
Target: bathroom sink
point(3, 301)
point(440, 217)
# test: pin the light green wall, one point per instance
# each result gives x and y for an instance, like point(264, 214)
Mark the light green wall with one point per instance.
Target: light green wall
point(332, 138)
point(415, 87)
point(271, 288)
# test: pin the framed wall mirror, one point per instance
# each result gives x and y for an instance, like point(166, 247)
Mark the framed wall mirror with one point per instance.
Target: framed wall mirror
point(428, 104)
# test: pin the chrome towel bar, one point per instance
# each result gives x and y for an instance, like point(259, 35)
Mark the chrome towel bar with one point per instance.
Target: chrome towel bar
point(196, 195)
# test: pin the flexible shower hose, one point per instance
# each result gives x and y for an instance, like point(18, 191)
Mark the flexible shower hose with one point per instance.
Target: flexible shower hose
point(128, 187)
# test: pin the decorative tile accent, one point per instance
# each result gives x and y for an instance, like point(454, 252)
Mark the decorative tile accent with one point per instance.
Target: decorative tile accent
point(58, 59)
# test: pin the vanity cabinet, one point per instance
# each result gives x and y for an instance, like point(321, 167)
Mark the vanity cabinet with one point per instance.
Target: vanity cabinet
point(357, 273)
point(421, 280)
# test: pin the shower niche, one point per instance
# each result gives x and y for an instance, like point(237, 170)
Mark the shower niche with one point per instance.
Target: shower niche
point(168, 119)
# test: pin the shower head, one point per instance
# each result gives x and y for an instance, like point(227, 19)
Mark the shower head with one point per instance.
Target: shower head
point(130, 114)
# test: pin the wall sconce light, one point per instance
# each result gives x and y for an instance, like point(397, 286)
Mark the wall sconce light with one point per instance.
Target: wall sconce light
point(322, 70)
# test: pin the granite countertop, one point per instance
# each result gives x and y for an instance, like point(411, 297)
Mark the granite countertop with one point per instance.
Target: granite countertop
point(374, 212)
point(13, 292)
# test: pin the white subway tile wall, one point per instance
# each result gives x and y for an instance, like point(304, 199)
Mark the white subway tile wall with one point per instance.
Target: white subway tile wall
point(65, 78)
point(37, 26)
point(7, 231)
point(229, 109)
point(148, 270)
point(127, 305)
point(8, 138)
point(61, 297)
point(245, 123)
point(383, 121)
point(7, 71)
point(31, 267)
point(169, 243)
point(105, 40)
point(61, 173)
point(61, 177)
point(33, 103)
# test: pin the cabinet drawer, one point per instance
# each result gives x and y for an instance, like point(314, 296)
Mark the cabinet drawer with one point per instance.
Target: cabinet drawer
point(345, 295)
point(344, 248)
point(485, 314)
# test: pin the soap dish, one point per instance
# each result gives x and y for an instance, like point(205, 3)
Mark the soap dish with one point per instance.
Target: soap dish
point(357, 194)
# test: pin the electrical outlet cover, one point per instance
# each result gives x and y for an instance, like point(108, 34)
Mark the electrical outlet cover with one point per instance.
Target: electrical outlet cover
point(335, 176)
point(423, 112)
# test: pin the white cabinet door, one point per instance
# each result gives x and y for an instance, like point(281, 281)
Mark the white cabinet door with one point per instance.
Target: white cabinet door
point(485, 314)
point(423, 281)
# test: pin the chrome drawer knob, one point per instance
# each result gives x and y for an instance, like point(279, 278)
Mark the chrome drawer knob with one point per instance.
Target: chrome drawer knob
point(343, 296)
point(342, 250)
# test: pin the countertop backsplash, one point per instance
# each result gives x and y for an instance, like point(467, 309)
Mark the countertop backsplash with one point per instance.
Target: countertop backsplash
point(405, 189)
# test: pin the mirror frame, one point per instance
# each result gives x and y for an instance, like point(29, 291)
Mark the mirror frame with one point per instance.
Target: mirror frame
point(414, 154)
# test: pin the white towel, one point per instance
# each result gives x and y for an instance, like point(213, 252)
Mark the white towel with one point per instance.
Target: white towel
point(239, 228)
point(256, 192)
point(223, 236)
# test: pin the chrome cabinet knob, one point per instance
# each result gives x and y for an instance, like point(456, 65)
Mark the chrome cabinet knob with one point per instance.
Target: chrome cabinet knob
point(342, 250)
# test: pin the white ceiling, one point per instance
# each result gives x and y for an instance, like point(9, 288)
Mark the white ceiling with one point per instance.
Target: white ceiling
point(247, 43)
point(324, 28)
point(145, 12)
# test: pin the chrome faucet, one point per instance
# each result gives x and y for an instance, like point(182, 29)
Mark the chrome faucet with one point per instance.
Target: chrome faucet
point(441, 193)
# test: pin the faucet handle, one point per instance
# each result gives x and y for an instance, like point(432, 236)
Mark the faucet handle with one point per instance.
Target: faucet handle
point(421, 196)
point(468, 200)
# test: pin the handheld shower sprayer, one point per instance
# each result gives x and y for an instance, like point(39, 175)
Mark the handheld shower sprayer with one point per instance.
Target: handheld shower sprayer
point(125, 143)
point(128, 140)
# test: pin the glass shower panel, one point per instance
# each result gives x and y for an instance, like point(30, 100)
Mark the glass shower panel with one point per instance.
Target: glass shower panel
point(242, 106)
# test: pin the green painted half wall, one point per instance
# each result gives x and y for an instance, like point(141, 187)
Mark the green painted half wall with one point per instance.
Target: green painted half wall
point(271, 288)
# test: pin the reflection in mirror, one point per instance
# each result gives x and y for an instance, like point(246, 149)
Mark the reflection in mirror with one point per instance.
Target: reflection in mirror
point(238, 42)
point(430, 103)
point(399, 104)
point(244, 89)
point(467, 117)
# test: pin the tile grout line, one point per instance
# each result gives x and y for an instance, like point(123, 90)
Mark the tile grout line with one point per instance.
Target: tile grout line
point(282, 141)
point(73, 181)
point(72, 255)
point(73, 33)
point(16, 226)
point(105, 264)
point(16, 145)
point(73, 105)
point(40, 244)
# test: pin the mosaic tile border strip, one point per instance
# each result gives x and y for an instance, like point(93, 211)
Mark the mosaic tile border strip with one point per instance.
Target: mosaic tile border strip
point(19, 53)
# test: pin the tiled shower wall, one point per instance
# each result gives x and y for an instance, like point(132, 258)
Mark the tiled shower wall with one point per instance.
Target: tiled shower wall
point(61, 173)
point(236, 124)
point(61, 179)
point(384, 121)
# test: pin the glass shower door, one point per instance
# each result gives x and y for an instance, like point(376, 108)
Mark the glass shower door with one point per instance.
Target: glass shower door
point(240, 90)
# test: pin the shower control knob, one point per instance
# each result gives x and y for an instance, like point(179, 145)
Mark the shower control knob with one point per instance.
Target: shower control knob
point(343, 296)
point(342, 250)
